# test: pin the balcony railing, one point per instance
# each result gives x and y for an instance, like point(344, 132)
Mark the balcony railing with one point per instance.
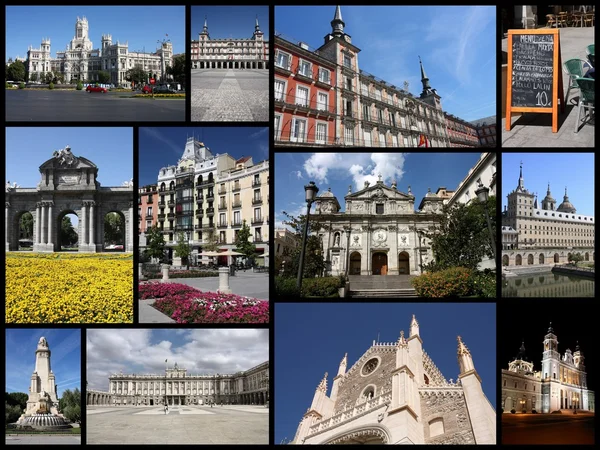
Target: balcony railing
point(302, 103)
point(236, 187)
point(237, 204)
point(162, 203)
point(257, 220)
point(210, 211)
point(222, 224)
point(258, 239)
point(170, 215)
point(256, 183)
point(223, 205)
point(171, 202)
point(257, 200)
point(304, 73)
point(199, 212)
point(237, 224)
point(283, 66)
point(309, 139)
point(210, 197)
point(222, 191)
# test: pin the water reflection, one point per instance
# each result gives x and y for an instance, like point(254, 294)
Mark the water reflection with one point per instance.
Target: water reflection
point(548, 285)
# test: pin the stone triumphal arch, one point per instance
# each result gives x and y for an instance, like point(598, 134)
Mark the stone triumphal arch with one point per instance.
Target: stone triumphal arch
point(68, 185)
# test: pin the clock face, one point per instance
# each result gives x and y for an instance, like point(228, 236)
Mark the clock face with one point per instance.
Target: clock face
point(370, 366)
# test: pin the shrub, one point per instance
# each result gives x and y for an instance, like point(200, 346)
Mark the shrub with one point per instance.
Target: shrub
point(321, 287)
point(6, 85)
point(51, 85)
point(286, 287)
point(453, 282)
point(512, 411)
point(484, 284)
point(21, 85)
point(11, 413)
point(182, 274)
point(79, 86)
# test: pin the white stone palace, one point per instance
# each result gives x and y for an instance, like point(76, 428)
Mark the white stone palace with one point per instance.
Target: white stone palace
point(395, 394)
point(177, 387)
point(42, 404)
point(68, 185)
point(251, 53)
point(81, 61)
point(560, 384)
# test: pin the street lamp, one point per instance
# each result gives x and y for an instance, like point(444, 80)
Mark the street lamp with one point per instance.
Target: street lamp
point(310, 192)
point(482, 194)
point(522, 405)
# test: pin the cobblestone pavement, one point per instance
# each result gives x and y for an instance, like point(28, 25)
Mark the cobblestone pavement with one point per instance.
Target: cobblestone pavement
point(535, 130)
point(41, 439)
point(226, 95)
point(238, 424)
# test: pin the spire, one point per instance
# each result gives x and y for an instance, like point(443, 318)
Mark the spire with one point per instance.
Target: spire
point(566, 197)
point(426, 86)
point(548, 191)
point(414, 327)
point(205, 28)
point(535, 204)
point(550, 330)
point(521, 354)
point(323, 384)
point(343, 365)
point(337, 24)
point(465, 360)
point(521, 186)
point(401, 340)
point(256, 26)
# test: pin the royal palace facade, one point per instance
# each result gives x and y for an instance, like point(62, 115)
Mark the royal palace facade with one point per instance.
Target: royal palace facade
point(561, 383)
point(251, 53)
point(537, 234)
point(177, 387)
point(81, 61)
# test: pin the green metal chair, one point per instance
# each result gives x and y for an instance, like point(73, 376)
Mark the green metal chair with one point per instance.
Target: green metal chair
point(586, 98)
point(575, 68)
point(590, 54)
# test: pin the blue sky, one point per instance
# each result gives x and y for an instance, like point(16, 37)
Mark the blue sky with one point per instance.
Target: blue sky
point(339, 170)
point(200, 351)
point(573, 170)
point(163, 146)
point(65, 357)
point(140, 26)
point(230, 21)
point(457, 45)
point(311, 339)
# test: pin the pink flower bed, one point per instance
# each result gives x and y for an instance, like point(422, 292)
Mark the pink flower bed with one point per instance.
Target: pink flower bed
point(185, 304)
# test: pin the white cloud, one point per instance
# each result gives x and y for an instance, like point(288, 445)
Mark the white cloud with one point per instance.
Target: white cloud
point(361, 166)
point(156, 134)
point(298, 174)
point(204, 352)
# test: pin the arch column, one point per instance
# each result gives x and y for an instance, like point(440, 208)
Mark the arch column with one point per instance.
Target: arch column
point(38, 223)
point(43, 233)
point(6, 235)
point(129, 243)
point(92, 220)
point(50, 243)
point(83, 225)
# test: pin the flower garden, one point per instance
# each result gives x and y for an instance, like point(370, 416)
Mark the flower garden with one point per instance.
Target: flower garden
point(69, 288)
point(186, 304)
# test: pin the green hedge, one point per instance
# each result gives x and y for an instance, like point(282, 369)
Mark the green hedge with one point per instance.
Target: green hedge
point(182, 274)
point(79, 86)
point(21, 85)
point(286, 287)
point(51, 86)
point(311, 287)
point(455, 282)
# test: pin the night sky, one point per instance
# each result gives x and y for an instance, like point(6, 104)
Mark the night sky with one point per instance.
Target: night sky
point(572, 321)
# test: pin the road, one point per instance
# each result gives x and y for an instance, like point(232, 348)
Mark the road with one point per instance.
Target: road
point(547, 429)
point(80, 106)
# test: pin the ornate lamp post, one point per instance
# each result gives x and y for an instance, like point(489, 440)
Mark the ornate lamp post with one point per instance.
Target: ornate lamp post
point(482, 194)
point(310, 192)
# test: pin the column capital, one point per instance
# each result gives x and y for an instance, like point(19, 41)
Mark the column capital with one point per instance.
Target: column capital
point(91, 203)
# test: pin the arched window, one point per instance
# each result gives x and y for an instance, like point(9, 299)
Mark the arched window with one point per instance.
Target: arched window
point(436, 427)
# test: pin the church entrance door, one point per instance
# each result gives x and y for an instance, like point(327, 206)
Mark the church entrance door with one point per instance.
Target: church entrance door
point(403, 263)
point(380, 263)
point(355, 263)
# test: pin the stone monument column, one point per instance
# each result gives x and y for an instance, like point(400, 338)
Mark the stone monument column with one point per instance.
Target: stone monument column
point(38, 223)
point(50, 224)
point(92, 220)
point(6, 237)
point(83, 223)
point(43, 234)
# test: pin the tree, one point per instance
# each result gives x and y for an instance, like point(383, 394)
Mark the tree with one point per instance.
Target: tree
point(113, 229)
point(155, 243)
point(70, 405)
point(178, 71)
point(462, 237)
point(26, 226)
point(16, 399)
point(575, 258)
point(16, 71)
point(49, 77)
point(183, 249)
point(33, 76)
point(314, 262)
point(11, 413)
point(137, 75)
point(68, 235)
point(243, 244)
point(103, 76)
point(212, 241)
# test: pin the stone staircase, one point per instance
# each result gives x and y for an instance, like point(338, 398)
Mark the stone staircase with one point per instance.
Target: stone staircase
point(381, 286)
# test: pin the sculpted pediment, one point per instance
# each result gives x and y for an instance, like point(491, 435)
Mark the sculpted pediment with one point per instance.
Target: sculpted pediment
point(378, 192)
point(64, 159)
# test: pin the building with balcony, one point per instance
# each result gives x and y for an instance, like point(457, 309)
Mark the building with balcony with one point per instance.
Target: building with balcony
point(486, 130)
point(285, 243)
point(366, 111)
point(147, 207)
point(250, 53)
point(460, 132)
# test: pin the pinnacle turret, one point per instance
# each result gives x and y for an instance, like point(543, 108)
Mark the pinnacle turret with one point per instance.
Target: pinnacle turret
point(337, 24)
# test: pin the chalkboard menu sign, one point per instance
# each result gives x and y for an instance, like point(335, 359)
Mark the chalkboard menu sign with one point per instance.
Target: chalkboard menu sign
point(534, 78)
point(532, 69)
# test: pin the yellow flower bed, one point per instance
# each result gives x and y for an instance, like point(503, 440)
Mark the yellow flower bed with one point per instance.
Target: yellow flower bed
point(159, 96)
point(69, 288)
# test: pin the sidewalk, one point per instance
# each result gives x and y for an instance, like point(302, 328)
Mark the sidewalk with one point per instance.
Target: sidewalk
point(535, 130)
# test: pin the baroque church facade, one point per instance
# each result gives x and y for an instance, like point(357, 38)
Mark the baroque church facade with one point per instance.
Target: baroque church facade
point(81, 61)
point(560, 384)
point(395, 394)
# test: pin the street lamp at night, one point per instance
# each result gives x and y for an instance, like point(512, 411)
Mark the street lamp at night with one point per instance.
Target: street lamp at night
point(310, 192)
point(483, 195)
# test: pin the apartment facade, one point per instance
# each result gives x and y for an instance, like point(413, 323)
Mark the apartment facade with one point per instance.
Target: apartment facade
point(147, 207)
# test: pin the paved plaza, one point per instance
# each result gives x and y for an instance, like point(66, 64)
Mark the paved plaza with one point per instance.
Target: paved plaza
point(247, 284)
point(566, 428)
point(226, 95)
point(42, 439)
point(535, 130)
point(229, 424)
point(80, 106)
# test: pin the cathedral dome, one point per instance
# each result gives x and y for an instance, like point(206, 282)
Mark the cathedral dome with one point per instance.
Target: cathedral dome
point(566, 206)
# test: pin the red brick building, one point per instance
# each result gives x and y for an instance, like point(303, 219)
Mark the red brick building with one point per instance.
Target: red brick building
point(305, 98)
point(486, 130)
point(460, 132)
point(147, 207)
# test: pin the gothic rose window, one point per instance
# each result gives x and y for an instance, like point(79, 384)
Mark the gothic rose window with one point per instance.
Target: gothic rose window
point(370, 366)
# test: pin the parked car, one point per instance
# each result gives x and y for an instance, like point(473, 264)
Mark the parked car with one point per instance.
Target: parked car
point(91, 88)
point(147, 89)
point(163, 89)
